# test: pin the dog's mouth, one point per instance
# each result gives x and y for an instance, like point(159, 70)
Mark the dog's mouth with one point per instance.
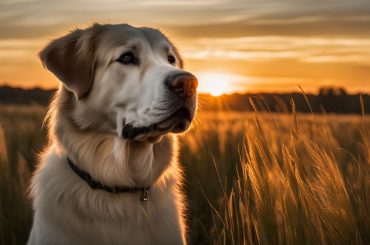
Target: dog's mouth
point(177, 122)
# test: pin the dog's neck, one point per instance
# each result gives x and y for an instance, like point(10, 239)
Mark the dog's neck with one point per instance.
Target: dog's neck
point(108, 158)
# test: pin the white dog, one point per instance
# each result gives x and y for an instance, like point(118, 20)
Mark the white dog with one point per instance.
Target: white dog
point(110, 173)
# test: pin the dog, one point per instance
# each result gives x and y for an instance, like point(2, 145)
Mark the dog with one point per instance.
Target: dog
point(110, 173)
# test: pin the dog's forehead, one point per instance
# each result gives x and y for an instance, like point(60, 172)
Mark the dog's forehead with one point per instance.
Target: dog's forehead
point(155, 38)
point(118, 35)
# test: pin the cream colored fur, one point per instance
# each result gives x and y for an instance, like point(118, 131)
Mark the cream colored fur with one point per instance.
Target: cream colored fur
point(67, 210)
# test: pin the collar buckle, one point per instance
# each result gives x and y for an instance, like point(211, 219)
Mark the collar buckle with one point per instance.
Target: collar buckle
point(145, 194)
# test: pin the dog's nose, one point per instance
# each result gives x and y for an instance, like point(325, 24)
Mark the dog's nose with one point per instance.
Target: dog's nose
point(183, 84)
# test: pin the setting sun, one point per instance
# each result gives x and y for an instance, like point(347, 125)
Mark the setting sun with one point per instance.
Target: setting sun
point(216, 83)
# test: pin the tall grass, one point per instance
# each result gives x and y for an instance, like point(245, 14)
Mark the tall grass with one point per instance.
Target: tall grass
point(21, 137)
point(250, 178)
point(300, 180)
point(298, 192)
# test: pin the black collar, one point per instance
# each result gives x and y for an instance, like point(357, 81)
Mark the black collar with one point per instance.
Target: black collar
point(115, 189)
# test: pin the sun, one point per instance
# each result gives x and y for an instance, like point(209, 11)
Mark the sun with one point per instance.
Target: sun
point(215, 83)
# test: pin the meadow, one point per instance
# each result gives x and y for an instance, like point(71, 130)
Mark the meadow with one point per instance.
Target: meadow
point(251, 178)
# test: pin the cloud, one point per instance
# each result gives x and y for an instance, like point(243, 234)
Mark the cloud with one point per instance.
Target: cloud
point(318, 50)
point(219, 18)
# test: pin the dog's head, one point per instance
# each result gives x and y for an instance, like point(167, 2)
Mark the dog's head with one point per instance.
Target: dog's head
point(125, 80)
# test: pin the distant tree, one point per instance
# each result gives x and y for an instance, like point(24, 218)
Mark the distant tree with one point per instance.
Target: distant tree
point(332, 91)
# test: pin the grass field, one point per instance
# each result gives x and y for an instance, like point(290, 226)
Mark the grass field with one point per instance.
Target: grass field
point(251, 178)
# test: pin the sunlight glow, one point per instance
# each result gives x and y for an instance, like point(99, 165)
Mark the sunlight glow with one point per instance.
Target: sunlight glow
point(216, 83)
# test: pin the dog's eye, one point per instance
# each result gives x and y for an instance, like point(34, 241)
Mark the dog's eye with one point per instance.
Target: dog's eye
point(171, 59)
point(128, 58)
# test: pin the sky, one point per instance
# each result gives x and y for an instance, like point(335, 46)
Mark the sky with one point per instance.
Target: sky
point(231, 45)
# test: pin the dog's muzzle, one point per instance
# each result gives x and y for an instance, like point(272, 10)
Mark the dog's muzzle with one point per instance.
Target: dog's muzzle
point(182, 94)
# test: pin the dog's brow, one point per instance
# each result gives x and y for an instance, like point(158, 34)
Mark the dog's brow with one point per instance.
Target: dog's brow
point(166, 48)
point(135, 47)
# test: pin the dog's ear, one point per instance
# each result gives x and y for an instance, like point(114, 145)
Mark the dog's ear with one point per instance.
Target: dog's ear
point(72, 59)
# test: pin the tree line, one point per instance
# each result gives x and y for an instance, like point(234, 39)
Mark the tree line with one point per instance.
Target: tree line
point(327, 100)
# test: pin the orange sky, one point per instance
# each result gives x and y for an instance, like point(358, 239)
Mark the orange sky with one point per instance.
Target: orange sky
point(231, 45)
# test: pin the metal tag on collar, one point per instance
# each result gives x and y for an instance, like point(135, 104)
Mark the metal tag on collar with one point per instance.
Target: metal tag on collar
point(145, 194)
